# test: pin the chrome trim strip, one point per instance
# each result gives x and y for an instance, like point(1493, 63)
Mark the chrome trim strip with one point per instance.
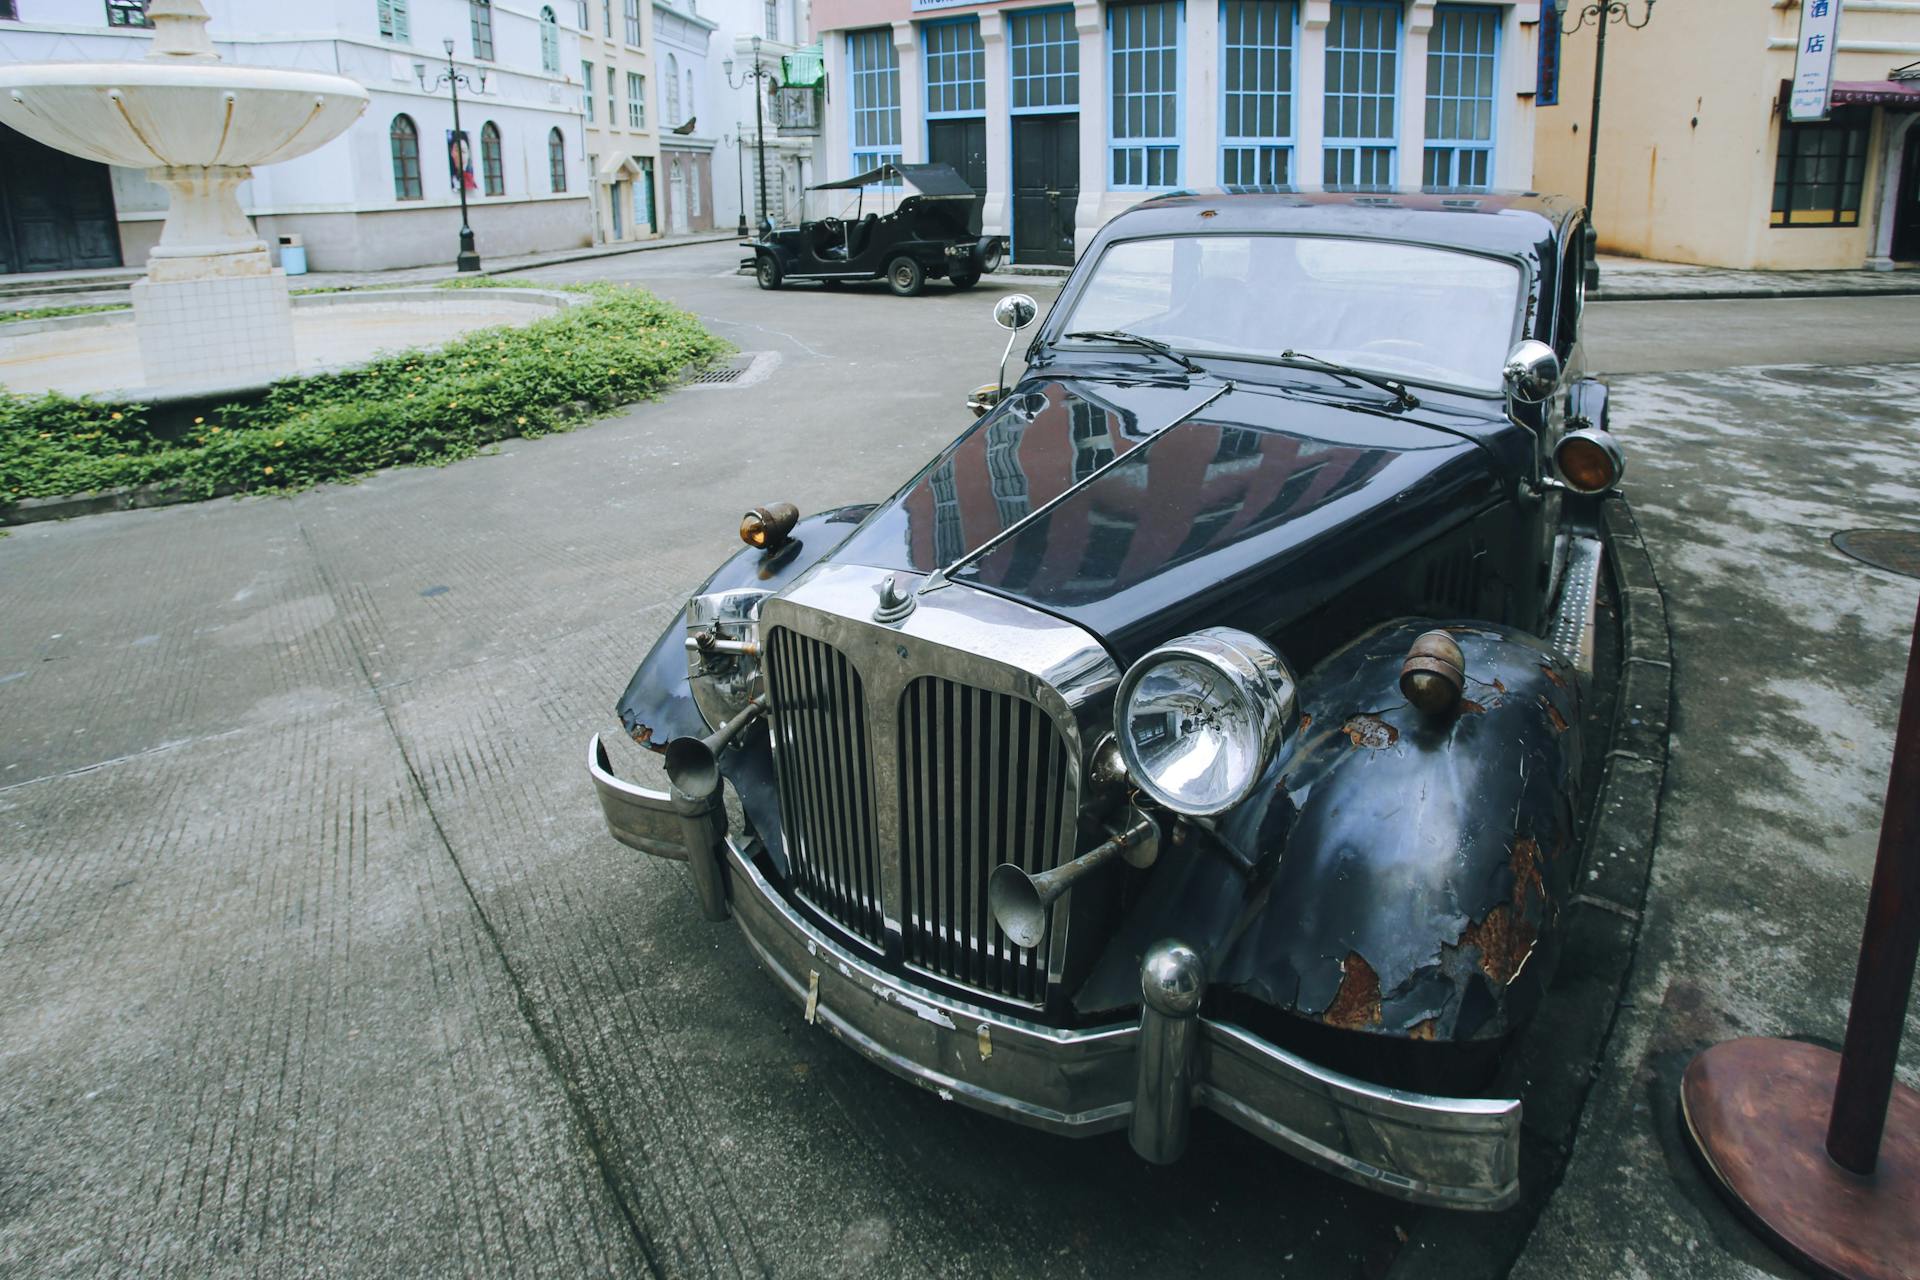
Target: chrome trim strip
point(1459, 1153)
point(639, 817)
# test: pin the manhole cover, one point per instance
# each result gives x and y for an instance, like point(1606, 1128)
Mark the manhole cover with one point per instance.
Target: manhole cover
point(1895, 550)
point(1822, 378)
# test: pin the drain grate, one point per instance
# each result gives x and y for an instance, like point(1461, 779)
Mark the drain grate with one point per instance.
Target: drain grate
point(1895, 550)
point(717, 374)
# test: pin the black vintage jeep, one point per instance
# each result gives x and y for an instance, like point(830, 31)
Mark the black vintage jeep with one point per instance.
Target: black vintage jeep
point(902, 223)
point(1214, 723)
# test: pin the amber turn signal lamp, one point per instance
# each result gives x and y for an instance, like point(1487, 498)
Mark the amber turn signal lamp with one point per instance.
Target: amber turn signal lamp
point(768, 528)
point(1434, 674)
point(1589, 461)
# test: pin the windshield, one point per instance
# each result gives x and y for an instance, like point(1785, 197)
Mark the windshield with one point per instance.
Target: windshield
point(1408, 311)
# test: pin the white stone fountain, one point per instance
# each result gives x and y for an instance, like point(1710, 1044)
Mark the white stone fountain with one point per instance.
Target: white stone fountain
point(213, 308)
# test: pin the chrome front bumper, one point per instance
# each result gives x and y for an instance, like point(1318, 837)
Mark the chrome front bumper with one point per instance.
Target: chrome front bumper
point(1145, 1076)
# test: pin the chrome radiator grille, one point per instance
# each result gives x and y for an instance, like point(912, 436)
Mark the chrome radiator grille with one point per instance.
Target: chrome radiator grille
point(983, 780)
point(826, 797)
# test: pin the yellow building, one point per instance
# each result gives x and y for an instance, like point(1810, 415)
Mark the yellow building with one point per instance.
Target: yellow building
point(623, 142)
point(1696, 163)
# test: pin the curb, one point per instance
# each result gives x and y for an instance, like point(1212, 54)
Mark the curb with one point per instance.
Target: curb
point(1599, 945)
point(638, 246)
point(67, 506)
point(1736, 295)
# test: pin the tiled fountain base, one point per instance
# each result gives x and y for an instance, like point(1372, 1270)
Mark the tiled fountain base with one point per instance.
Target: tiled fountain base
point(230, 329)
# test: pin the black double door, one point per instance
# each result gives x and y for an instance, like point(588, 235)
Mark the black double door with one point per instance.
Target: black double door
point(58, 209)
point(1906, 209)
point(962, 144)
point(1046, 183)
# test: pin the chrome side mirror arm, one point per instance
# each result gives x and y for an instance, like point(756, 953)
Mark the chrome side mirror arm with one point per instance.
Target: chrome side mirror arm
point(1531, 375)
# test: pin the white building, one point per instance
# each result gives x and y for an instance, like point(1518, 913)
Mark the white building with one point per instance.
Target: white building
point(1062, 115)
point(771, 34)
point(689, 119)
point(622, 129)
point(382, 195)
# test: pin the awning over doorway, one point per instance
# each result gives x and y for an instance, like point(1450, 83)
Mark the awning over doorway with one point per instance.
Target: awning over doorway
point(618, 168)
point(803, 68)
point(1895, 95)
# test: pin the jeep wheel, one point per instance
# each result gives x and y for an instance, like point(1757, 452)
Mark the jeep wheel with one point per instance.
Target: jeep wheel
point(905, 277)
point(767, 272)
point(964, 279)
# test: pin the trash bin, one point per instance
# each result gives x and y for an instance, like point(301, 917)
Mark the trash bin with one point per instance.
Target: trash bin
point(293, 255)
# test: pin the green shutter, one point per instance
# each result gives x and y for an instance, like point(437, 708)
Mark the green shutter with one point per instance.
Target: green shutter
point(400, 30)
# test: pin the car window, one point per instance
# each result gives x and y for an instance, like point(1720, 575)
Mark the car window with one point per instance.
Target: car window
point(1411, 311)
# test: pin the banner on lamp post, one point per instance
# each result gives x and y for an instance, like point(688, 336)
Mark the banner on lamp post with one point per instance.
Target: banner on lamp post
point(1546, 91)
point(459, 161)
point(1813, 61)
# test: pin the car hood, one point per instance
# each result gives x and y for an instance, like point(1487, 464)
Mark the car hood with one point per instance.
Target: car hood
point(1239, 505)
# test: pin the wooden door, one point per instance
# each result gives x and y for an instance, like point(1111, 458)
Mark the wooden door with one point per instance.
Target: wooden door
point(1046, 183)
point(59, 213)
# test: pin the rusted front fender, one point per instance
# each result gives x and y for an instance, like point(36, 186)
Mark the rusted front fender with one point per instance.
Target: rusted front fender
point(1426, 857)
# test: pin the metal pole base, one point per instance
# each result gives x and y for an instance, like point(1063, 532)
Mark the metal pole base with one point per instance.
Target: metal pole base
point(1756, 1115)
point(469, 259)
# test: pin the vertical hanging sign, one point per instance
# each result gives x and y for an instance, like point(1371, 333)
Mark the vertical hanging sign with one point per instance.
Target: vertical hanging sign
point(1813, 61)
point(1547, 88)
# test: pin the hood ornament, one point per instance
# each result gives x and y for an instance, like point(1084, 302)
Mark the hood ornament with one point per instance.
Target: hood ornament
point(896, 602)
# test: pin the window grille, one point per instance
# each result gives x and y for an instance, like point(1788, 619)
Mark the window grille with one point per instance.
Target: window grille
point(1818, 172)
point(1257, 80)
point(549, 42)
point(956, 69)
point(556, 161)
point(636, 100)
point(1044, 50)
point(873, 69)
point(393, 20)
point(773, 19)
point(1144, 44)
point(493, 164)
point(480, 18)
point(403, 139)
point(1363, 68)
point(1461, 50)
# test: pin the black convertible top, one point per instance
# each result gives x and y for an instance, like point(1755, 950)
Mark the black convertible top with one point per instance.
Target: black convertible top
point(934, 180)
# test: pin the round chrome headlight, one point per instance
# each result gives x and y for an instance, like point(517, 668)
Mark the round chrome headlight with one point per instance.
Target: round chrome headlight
point(1199, 719)
point(723, 651)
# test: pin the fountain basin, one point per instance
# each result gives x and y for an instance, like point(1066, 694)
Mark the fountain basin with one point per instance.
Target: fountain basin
point(150, 115)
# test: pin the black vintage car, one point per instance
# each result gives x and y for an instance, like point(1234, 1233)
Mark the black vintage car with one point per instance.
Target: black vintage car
point(902, 223)
point(1215, 722)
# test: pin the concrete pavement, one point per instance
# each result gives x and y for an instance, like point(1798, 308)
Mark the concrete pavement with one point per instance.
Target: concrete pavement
point(314, 956)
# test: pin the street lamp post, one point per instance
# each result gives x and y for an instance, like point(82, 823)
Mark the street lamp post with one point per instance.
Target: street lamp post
point(739, 178)
point(1602, 13)
point(453, 78)
point(758, 76)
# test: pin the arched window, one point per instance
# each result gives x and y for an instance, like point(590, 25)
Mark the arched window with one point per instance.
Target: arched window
point(480, 16)
point(493, 165)
point(549, 41)
point(404, 141)
point(692, 110)
point(674, 118)
point(557, 160)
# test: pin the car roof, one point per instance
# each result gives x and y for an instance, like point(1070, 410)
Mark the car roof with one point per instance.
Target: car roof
point(1521, 223)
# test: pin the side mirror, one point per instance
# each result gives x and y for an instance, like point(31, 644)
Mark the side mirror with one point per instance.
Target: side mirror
point(1532, 372)
point(1015, 311)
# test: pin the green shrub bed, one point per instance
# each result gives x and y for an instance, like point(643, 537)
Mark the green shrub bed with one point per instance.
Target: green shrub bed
point(418, 407)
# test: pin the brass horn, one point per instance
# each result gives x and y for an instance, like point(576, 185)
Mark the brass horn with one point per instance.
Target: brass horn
point(693, 764)
point(1020, 901)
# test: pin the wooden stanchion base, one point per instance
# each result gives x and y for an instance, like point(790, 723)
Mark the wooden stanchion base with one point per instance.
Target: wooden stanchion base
point(1756, 1112)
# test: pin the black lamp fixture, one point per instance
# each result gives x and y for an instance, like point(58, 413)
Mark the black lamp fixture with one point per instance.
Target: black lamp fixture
point(757, 75)
point(454, 78)
point(1602, 13)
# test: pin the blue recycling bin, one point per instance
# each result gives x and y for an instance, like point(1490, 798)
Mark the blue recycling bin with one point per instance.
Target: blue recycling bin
point(293, 259)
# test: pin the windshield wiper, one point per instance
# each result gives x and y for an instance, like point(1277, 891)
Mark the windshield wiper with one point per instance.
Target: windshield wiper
point(1398, 390)
point(1135, 340)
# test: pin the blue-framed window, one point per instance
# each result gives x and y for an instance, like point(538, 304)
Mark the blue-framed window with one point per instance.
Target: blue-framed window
point(1363, 73)
point(1256, 80)
point(873, 71)
point(1044, 50)
point(1143, 57)
point(1461, 52)
point(956, 69)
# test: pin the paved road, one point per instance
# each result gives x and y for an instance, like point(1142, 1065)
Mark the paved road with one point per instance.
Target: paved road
point(313, 955)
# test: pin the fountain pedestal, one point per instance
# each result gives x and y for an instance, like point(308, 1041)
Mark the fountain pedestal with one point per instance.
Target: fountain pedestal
point(213, 308)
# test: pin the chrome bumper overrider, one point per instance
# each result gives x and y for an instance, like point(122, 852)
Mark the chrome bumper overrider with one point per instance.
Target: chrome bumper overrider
point(1144, 1076)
